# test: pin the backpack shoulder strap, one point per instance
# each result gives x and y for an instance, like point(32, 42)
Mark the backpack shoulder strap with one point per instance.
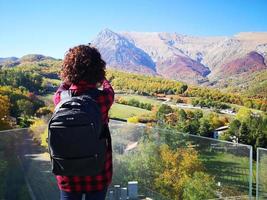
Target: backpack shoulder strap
point(93, 93)
point(66, 94)
point(64, 97)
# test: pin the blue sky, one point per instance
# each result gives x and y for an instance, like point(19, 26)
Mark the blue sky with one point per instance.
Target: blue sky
point(50, 27)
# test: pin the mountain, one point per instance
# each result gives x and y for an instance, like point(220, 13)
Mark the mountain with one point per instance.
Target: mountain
point(233, 63)
point(30, 58)
point(35, 58)
point(183, 68)
point(9, 61)
point(211, 61)
point(120, 53)
point(249, 63)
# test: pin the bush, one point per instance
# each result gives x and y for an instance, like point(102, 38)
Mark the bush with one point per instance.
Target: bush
point(37, 129)
point(25, 121)
point(133, 119)
point(134, 103)
point(43, 111)
point(200, 186)
point(44, 136)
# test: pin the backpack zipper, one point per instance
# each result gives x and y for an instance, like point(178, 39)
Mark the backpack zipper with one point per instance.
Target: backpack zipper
point(64, 126)
point(75, 158)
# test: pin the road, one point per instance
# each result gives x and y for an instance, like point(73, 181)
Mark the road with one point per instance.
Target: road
point(189, 106)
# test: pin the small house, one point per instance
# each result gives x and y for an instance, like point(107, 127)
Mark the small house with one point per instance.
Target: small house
point(218, 131)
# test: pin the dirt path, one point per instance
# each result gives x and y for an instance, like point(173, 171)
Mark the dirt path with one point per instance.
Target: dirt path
point(36, 166)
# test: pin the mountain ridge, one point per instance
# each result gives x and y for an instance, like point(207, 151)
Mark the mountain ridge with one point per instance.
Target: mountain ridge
point(224, 62)
point(202, 56)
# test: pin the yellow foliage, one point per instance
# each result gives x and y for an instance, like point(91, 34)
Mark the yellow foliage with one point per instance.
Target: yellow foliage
point(4, 106)
point(243, 114)
point(4, 112)
point(178, 167)
point(133, 119)
point(44, 111)
point(143, 84)
point(44, 136)
point(37, 128)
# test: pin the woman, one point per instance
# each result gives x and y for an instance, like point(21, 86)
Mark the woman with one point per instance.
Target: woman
point(82, 70)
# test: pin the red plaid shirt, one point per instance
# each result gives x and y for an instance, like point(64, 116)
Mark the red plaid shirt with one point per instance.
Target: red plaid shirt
point(101, 181)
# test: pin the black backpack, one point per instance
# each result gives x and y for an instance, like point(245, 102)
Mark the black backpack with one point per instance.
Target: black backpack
point(74, 135)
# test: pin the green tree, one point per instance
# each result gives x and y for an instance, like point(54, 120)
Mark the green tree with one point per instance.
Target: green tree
point(182, 116)
point(25, 107)
point(205, 128)
point(200, 186)
point(163, 110)
point(243, 133)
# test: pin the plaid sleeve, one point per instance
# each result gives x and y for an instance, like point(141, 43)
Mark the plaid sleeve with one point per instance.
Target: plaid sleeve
point(63, 86)
point(108, 94)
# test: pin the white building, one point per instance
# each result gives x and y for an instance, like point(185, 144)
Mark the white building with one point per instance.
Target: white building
point(217, 132)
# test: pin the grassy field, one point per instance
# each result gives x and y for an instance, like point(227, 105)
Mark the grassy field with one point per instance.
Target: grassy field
point(144, 99)
point(230, 170)
point(124, 111)
point(153, 101)
point(117, 110)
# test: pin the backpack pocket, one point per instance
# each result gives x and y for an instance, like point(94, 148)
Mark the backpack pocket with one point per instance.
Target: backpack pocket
point(85, 166)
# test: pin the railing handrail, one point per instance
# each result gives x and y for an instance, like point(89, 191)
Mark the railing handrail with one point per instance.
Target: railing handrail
point(14, 129)
point(166, 129)
point(198, 136)
point(262, 149)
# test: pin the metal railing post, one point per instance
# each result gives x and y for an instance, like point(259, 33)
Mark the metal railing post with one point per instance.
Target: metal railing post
point(250, 171)
point(257, 175)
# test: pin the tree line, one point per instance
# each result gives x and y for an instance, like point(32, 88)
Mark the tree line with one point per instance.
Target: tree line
point(135, 103)
point(192, 122)
point(248, 128)
point(152, 85)
point(20, 79)
point(18, 97)
point(144, 85)
point(216, 95)
point(17, 106)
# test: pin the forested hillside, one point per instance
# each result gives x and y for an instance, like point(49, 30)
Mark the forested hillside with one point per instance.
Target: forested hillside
point(35, 75)
point(150, 85)
point(26, 93)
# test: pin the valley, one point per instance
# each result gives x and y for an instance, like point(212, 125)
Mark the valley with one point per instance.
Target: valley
point(172, 100)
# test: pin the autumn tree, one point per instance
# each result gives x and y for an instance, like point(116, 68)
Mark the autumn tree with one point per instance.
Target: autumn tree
point(4, 112)
point(200, 186)
point(179, 168)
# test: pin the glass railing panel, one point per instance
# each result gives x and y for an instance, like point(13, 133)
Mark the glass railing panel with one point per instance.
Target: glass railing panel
point(24, 168)
point(261, 190)
point(136, 153)
point(12, 182)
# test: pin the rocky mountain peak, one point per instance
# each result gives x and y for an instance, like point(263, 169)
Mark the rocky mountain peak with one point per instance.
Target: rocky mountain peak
point(173, 54)
point(119, 52)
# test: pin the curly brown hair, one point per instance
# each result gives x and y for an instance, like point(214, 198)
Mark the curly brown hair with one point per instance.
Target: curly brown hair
point(83, 62)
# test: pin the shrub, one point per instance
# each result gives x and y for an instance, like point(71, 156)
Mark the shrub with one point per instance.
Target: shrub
point(133, 119)
point(37, 129)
